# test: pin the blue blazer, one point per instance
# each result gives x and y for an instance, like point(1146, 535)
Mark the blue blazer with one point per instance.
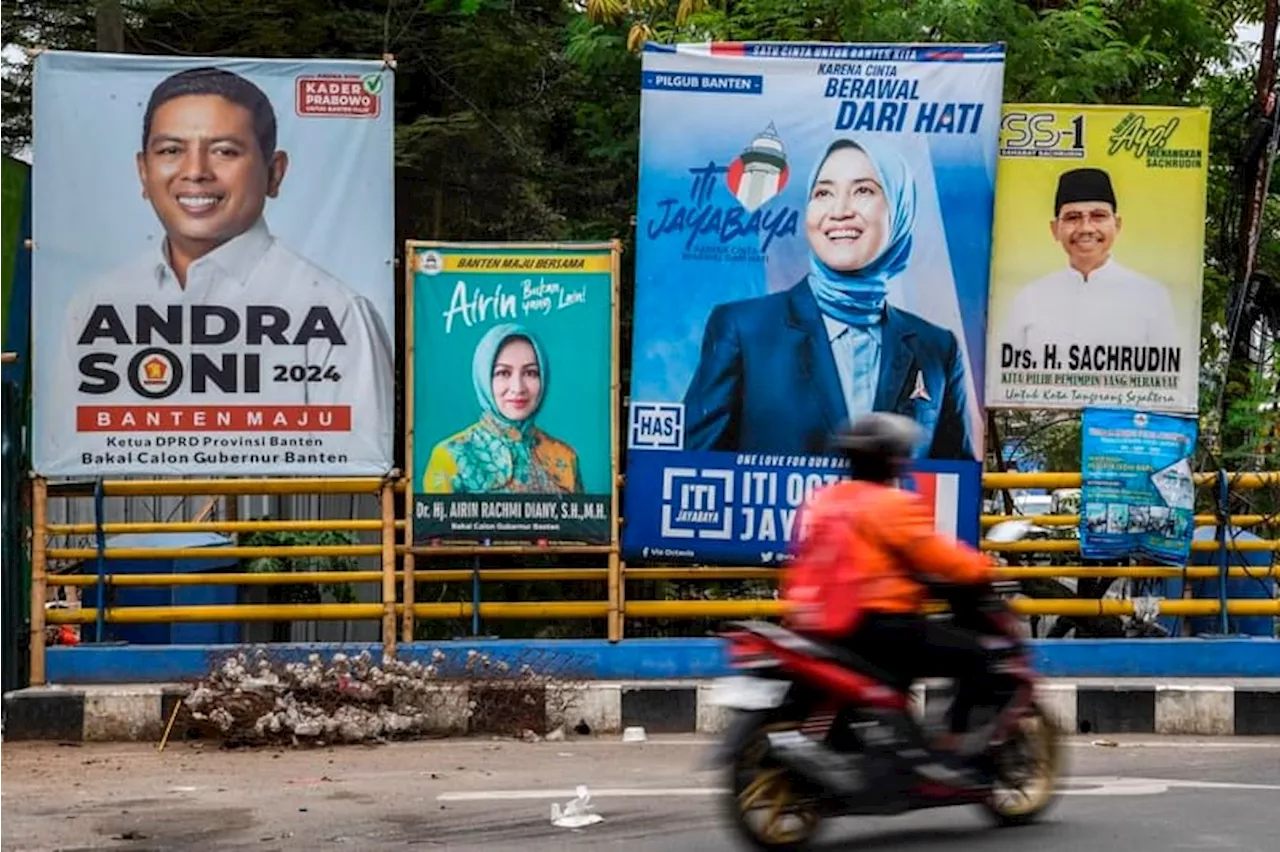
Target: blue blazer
point(767, 382)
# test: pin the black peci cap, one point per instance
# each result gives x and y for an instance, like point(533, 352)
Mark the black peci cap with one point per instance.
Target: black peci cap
point(1083, 185)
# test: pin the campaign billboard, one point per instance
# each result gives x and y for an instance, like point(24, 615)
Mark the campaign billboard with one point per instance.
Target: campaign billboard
point(213, 268)
point(513, 384)
point(812, 244)
point(1098, 263)
point(1138, 498)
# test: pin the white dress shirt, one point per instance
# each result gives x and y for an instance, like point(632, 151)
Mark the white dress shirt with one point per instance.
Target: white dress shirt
point(253, 270)
point(1115, 306)
point(1089, 342)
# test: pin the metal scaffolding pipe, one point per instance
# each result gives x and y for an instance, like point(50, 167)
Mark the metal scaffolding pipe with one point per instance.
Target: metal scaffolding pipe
point(539, 575)
point(77, 554)
point(188, 487)
point(148, 527)
point(1072, 546)
point(1074, 520)
point(229, 612)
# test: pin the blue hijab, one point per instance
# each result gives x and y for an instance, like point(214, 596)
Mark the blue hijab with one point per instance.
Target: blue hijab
point(857, 297)
point(482, 372)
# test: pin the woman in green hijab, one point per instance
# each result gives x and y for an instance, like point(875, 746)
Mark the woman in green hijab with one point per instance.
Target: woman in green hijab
point(503, 451)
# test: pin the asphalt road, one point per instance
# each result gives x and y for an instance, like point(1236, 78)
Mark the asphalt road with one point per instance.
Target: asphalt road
point(1133, 794)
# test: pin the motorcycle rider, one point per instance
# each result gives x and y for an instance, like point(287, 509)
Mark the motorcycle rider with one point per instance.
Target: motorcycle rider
point(866, 564)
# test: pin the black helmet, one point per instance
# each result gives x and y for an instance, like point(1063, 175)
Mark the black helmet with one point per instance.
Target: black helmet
point(879, 445)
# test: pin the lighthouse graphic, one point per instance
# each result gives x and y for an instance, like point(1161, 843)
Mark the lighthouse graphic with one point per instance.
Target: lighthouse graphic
point(760, 172)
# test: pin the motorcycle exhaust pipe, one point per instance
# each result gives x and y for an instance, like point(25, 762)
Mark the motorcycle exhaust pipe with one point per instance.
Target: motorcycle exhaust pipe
point(815, 762)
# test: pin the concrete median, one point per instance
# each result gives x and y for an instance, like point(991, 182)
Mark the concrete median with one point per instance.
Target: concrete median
point(1206, 707)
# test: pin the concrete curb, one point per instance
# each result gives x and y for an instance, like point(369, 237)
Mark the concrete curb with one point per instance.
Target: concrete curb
point(138, 713)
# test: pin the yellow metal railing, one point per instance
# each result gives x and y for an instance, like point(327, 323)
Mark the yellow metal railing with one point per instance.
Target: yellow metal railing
point(387, 547)
point(599, 609)
point(393, 547)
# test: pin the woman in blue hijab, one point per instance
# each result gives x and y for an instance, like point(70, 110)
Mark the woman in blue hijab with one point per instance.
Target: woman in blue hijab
point(503, 451)
point(859, 218)
point(781, 372)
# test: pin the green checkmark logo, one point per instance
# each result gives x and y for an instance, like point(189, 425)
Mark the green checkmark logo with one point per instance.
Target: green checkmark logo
point(373, 84)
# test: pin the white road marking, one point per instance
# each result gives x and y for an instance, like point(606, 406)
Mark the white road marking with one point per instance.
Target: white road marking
point(1076, 786)
point(1070, 742)
point(596, 793)
point(1113, 786)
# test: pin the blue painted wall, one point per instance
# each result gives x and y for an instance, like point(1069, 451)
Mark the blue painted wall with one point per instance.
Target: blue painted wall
point(177, 633)
point(637, 659)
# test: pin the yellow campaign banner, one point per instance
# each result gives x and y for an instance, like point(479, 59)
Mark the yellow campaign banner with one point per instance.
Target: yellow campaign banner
point(431, 262)
point(1097, 258)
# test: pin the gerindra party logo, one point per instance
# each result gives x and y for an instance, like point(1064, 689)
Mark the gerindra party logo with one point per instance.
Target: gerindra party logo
point(710, 221)
point(760, 172)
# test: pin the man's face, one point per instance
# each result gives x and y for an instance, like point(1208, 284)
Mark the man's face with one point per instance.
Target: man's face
point(203, 172)
point(1086, 230)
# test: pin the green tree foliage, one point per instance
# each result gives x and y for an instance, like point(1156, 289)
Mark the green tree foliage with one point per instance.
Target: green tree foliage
point(302, 593)
point(1175, 52)
point(24, 25)
point(499, 134)
point(520, 120)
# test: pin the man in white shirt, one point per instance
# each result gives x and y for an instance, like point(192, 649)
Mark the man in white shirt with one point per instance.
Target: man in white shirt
point(1095, 315)
point(220, 351)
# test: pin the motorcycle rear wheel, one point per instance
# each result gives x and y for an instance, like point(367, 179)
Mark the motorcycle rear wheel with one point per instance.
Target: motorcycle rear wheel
point(1028, 769)
point(759, 785)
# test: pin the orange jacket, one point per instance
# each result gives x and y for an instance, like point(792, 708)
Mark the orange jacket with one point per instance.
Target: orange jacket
point(869, 548)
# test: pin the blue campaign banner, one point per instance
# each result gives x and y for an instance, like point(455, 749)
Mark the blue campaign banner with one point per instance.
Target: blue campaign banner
point(813, 243)
point(1138, 496)
point(744, 511)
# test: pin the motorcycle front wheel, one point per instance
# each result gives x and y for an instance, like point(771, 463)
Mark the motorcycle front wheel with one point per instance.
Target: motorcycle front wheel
point(768, 805)
point(1028, 767)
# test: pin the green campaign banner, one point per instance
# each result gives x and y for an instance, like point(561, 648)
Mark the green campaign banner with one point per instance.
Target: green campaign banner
point(15, 310)
point(511, 391)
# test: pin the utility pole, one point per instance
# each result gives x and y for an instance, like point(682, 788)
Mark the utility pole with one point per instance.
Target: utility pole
point(110, 20)
point(1244, 305)
point(1264, 101)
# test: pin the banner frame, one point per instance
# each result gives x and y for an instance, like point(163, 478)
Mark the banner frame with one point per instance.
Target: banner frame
point(719, 406)
point(367, 65)
point(465, 547)
point(990, 402)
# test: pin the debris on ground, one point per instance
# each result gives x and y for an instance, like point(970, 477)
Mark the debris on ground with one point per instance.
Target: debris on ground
point(577, 812)
point(249, 699)
point(346, 700)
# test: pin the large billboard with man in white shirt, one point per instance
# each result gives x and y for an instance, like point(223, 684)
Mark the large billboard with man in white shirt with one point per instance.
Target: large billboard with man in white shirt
point(213, 266)
point(1098, 258)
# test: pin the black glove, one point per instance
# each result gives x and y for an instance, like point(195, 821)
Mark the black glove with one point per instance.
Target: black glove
point(973, 605)
point(967, 598)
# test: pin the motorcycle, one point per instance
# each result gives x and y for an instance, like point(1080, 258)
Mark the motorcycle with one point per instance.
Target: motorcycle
point(818, 733)
point(1141, 625)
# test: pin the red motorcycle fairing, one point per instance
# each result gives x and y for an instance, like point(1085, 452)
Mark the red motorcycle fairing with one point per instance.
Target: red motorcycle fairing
point(817, 664)
point(842, 731)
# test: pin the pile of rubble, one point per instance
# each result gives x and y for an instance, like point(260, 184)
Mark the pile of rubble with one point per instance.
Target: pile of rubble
point(248, 699)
